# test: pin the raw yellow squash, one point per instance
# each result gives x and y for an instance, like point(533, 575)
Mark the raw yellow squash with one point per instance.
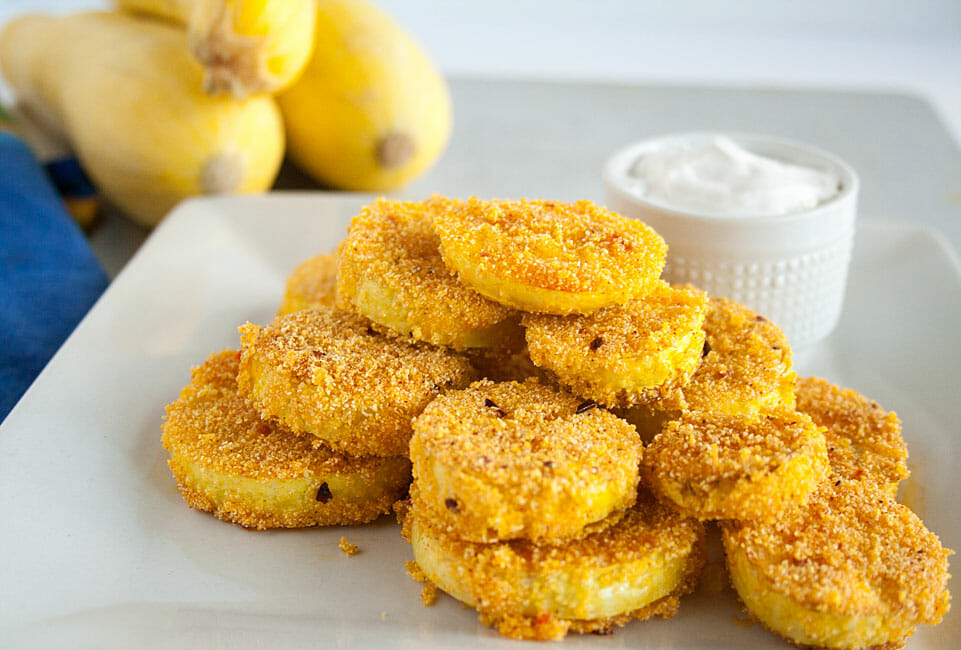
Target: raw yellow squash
point(245, 46)
point(370, 111)
point(126, 94)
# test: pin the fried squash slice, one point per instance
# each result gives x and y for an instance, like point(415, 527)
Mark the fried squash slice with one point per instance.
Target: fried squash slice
point(636, 568)
point(228, 461)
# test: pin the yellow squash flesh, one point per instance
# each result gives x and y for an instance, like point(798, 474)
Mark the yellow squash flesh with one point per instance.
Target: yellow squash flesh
point(126, 94)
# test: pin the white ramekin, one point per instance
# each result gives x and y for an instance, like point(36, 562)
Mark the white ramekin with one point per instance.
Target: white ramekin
point(791, 268)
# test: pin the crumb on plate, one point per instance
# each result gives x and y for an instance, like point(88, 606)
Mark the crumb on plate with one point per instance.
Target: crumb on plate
point(348, 547)
point(428, 594)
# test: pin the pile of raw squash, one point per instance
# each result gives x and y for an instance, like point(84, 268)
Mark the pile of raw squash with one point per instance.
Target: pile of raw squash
point(165, 99)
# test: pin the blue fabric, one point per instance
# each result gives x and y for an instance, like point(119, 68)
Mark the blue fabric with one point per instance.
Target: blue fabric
point(49, 277)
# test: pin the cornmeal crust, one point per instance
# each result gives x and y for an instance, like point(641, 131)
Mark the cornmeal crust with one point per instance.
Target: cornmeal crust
point(230, 462)
point(627, 354)
point(716, 466)
point(508, 460)
point(391, 271)
point(325, 372)
point(851, 568)
point(635, 568)
point(746, 365)
point(549, 256)
point(312, 285)
point(745, 369)
point(864, 441)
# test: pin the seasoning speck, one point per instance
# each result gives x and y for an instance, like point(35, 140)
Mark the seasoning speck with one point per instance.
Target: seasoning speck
point(323, 493)
point(585, 406)
point(489, 403)
point(452, 505)
point(596, 343)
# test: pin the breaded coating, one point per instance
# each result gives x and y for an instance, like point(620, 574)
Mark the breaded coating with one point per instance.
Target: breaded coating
point(428, 594)
point(625, 354)
point(635, 568)
point(548, 256)
point(348, 547)
point(247, 471)
point(312, 285)
point(852, 568)
point(864, 441)
point(325, 372)
point(391, 272)
point(500, 461)
point(746, 365)
point(745, 369)
point(716, 466)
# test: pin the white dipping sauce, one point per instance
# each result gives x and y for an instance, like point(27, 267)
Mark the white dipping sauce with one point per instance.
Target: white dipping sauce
point(722, 179)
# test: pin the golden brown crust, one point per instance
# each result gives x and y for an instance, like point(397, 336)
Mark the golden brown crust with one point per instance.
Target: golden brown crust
point(312, 285)
point(391, 271)
point(745, 367)
point(550, 256)
point(624, 354)
point(325, 372)
point(506, 460)
point(716, 466)
point(230, 462)
point(804, 628)
point(211, 423)
point(348, 547)
point(864, 441)
point(528, 590)
point(850, 550)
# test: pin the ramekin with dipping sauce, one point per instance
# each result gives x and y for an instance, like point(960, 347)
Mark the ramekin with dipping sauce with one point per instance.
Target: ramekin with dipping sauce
point(764, 221)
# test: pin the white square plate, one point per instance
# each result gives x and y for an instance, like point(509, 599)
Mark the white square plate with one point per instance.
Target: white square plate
point(98, 550)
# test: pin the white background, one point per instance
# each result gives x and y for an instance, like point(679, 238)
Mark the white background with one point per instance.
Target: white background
point(906, 46)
